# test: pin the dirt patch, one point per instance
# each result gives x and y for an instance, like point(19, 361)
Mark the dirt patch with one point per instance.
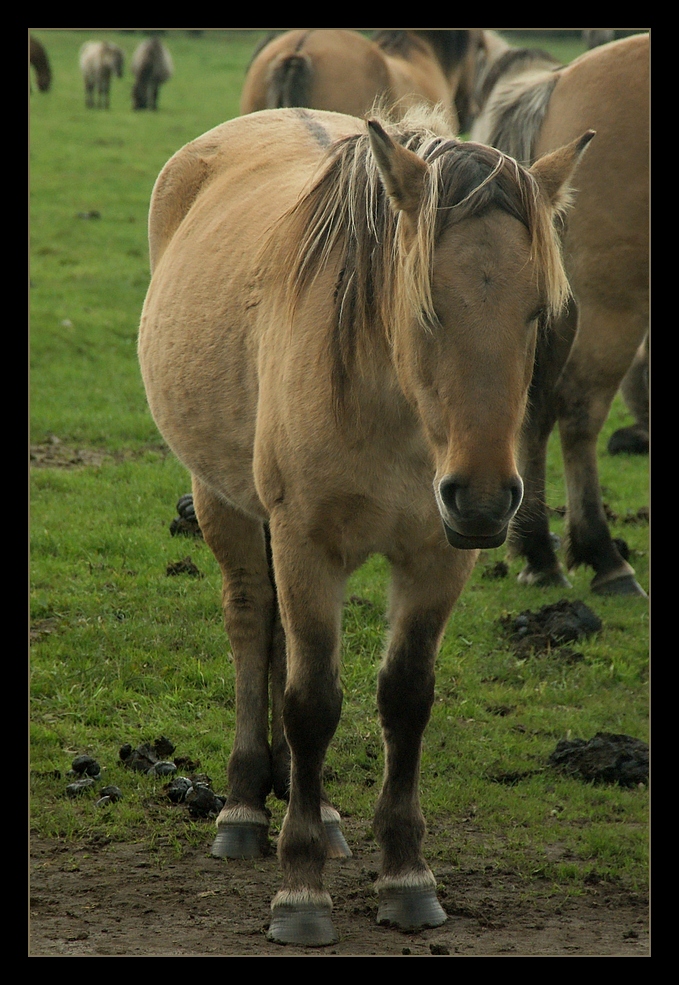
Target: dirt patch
point(100, 900)
point(56, 454)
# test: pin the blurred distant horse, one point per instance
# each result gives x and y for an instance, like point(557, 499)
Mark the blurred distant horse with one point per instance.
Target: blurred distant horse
point(343, 71)
point(40, 62)
point(151, 66)
point(99, 60)
point(594, 36)
point(580, 365)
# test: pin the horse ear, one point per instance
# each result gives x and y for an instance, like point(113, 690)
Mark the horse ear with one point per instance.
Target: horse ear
point(553, 171)
point(401, 171)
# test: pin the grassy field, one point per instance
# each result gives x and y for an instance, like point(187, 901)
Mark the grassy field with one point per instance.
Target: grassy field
point(123, 653)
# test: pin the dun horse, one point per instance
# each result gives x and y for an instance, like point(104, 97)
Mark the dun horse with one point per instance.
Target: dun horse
point(606, 254)
point(40, 63)
point(99, 60)
point(345, 72)
point(337, 342)
point(151, 66)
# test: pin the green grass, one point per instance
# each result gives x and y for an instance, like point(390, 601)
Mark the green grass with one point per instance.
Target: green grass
point(123, 653)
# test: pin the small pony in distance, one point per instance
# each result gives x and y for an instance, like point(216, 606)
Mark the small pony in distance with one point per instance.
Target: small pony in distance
point(152, 67)
point(99, 61)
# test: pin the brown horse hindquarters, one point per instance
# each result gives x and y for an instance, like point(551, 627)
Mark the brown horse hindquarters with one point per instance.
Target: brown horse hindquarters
point(330, 69)
point(606, 256)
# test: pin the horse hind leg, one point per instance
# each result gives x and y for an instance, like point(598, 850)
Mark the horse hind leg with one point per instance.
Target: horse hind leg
point(248, 601)
point(310, 591)
point(280, 751)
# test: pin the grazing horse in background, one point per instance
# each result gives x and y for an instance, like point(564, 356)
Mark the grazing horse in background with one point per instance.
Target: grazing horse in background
point(99, 60)
point(41, 65)
point(495, 58)
point(337, 342)
point(581, 363)
point(345, 72)
point(151, 67)
point(595, 36)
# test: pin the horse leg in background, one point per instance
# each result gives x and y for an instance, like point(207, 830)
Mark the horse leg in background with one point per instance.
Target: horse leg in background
point(584, 395)
point(310, 590)
point(248, 600)
point(529, 535)
point(634, 389)
point(280, 751)
point(423, 592)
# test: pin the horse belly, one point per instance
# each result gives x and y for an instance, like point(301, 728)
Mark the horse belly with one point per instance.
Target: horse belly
point(198, 350)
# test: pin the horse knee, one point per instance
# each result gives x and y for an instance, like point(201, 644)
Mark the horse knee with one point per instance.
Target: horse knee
point(311, 713)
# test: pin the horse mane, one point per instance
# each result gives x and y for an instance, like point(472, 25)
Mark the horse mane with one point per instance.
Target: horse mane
point(449, 45)
point(514, 111)
point(384, 279)
point(510, 63)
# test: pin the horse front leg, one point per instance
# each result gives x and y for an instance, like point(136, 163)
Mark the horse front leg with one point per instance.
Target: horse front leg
point(423, 594)
point(584, 395)
point(310, 590)
point(529, 534)
point(248, 602)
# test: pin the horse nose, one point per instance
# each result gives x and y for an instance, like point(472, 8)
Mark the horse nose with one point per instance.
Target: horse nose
point(477, 512)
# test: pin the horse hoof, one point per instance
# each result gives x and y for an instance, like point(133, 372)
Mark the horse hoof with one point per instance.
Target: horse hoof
point(410, 909)
point(543, 579)
point(308, 924)
point(337, 845)
point(241, 841)
point(630, 441)
point(624, 585)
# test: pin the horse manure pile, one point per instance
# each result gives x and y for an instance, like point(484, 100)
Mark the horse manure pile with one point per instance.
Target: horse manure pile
point(186, 523)
point(607, 758)
point(154, 759)
point(550, 628)
point(184, 567)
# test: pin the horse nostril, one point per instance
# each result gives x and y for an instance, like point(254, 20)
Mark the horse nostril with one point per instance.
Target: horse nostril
point(448, 490)
point(460, 499)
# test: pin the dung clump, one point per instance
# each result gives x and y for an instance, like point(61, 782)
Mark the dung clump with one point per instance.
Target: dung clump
point(550, 627)
point(606, 758)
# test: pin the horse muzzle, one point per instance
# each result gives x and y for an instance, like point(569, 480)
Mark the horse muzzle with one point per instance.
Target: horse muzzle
point(476, 520)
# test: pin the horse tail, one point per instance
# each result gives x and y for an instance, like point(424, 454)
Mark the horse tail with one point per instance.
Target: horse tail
point(514, 115)
point(289, 82)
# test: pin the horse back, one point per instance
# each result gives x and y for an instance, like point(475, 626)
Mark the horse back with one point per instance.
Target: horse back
point(281, 148)
point(607, 90)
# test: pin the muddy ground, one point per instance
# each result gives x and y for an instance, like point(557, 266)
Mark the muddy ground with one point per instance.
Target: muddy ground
point(113, 900)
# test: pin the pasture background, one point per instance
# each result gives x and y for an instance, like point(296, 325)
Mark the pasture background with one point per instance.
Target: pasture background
point(122, 653)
